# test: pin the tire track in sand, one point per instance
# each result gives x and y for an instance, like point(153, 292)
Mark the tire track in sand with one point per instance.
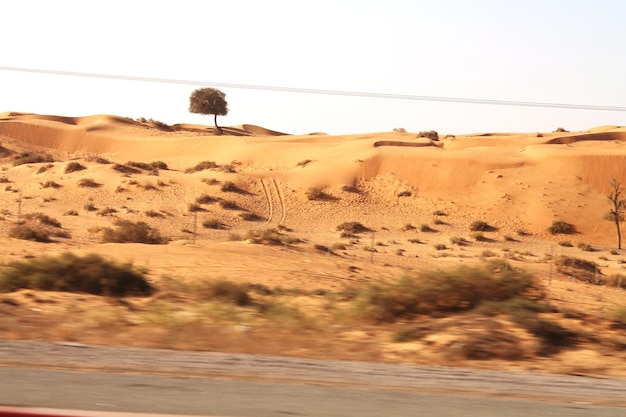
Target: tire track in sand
point(275, 202)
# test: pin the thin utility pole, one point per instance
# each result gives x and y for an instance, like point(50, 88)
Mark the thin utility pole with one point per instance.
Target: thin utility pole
point(19, 208)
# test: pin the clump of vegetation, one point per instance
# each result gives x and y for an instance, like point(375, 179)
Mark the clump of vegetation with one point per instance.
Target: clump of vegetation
point(439, 213)
point(578, 268)
point(250, 217)
point(88, 183)
point(225, 291)
point(585, 247)
point(31, 158)
point(407, 227)
point(441, 246)
point(73, 167)
point(43, 219)
point(230, 187)
point(349, 229)
point(566, 244)
point(270, 237)
point(430, 134)
point(125, 169)
point(559, 227)
point(204, 165)
point(426, 228)
point(560, 130)
point(153, 214)
point(107, 211)
point(228, 205)
point(457, 240)
point(90, 274)
point(317, 194)
point(206, 199)
point(212, 224)
point(404, 194)
point(127, 231)
point(459, 289)
point(26, 232)
point(480, 226)
point(50, 184)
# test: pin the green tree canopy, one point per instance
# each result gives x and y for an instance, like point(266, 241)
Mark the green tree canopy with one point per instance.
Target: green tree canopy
point(209, 101)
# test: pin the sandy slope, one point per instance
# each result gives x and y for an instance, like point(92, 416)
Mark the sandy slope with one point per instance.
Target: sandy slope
point(516, 182)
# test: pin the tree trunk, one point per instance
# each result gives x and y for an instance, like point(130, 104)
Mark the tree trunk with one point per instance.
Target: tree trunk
point(619, 233)
point(217, 128)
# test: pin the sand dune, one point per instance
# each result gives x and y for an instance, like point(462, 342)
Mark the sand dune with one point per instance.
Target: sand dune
point(517, 182)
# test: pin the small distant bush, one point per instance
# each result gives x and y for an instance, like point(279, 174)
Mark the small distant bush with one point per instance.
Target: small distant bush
point(73, 167)
point(577, 268)
point(460, 241)
point(441, 246)
point(250, 217)
point(480, 226)
point(206, 199)
point(125, 169)
point(4, 180)
point(90, 207)
point(88, 183)
point(130, 232)
point(404, 194)
point(229, 187)
point(153, 214)
point(225, 291)
point(426, 228)
point(212, 224)
point(50, 184)
point(439, 213)
point(90, 274)
point(108, 211)
point(438, 221)
point(194, 208)
point(201, 166)
point(585, 247)
point(210, 181)
point(408, 227)
point(479, 237)
point(566, 244)
point(316, 194)
point(430, 134)
point(269, 237)
point(71, 213)
point(26, 232)
point(43, 219)
point(560, 130)
point(229, 205)
point(352, 228)
point(561, 227)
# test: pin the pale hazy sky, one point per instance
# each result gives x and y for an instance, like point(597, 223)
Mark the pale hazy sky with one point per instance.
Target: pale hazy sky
point(556, 51)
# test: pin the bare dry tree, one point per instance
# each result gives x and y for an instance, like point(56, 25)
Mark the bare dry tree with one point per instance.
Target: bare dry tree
point(618, 207)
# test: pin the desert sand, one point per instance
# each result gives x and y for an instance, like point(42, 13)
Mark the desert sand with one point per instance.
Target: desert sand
point(518, 183)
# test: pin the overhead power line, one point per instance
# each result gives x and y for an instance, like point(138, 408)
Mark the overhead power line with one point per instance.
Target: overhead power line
point(320, 91)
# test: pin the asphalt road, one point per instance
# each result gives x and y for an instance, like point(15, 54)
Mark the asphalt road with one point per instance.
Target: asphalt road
point(38, 374)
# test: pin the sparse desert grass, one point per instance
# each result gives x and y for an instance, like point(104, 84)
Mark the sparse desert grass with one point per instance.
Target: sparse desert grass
point(225, 291)
point(560, 227)
point(479, 237)
point(90, 274)
point(457, 240)
point(414, 241)
point(350, 189)
point(194, 208)
point(71, 213)
point(90, 207)
point(26, 232)
point(407, 227)
point(578, 268)
point(210, 181)
point(304, 163)
point(125, 169)
point(132, 232)
point(566, 244)
point(440, 246)
point(459, 289)
point(44, 168)
point(426, 228)
point(88, 183)
point(270, 237)
point(149, 186)
point(73, 167)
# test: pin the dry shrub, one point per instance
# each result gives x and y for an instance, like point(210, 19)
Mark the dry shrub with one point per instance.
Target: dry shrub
point(125, 169)
point(317, 194)
point(31, 158)
point(90, 274)
point(206, 199)
point(459, 289)
point(578, 268)
point(352, 228)
point(34, 233)
point(43, 219)
point(561, 227)
point(212, 224)
point(225, 291)
point(127, 231)
point(88, 183)
point(73, 167)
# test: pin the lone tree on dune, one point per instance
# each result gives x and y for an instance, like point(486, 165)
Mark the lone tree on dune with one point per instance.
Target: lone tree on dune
point(209, 101)
point(618, 207)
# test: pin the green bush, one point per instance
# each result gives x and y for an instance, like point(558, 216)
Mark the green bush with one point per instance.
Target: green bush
point(90, 274)
point(462, 288)
point(130, 232)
